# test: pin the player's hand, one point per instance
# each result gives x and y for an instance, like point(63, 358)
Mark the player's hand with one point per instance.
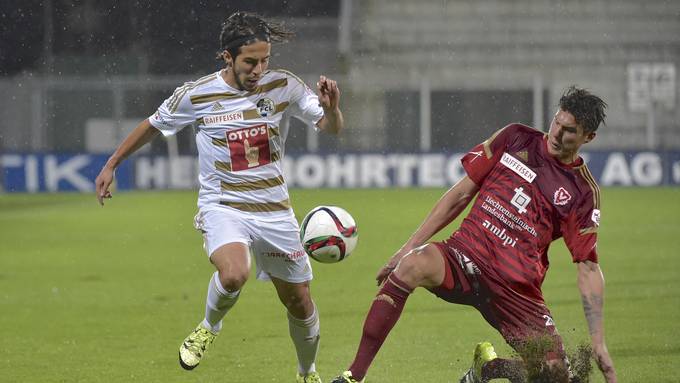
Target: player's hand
point(329, 93)
point(604, 362)
point(386, 270)
point(102, 183)
point(384, 273)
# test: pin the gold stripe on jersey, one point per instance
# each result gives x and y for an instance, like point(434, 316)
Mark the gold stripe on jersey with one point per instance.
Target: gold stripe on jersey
point(487, 144)
point(220, 142)
point(223, 166)
point(203, 98)
point(226, 166)
point(291, 74)
point(262, 207)
point(174, 101)
point(585, 173)
point(252, 114)
point(274, 131)
point(588, 230)
point(281, 107)
point(252, 185)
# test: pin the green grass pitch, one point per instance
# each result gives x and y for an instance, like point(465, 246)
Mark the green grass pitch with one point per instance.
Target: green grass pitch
point(91, 294)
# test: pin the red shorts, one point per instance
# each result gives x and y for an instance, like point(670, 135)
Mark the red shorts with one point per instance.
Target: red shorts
point(518, 318)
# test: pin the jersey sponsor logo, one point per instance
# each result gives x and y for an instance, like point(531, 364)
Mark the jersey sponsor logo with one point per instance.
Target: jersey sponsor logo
point(249, 147)
point(520, 200)
point(500, 233)
point(561, 197)
point(518, 167)
point(595, 217)
point(512, 221)
point(265, 107)
point(222, 118)
point(288, 257)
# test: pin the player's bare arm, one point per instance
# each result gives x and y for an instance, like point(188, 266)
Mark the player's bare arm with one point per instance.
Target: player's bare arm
point(329, 98)
point(448, 208)
point(591, 285)
point(142, 134)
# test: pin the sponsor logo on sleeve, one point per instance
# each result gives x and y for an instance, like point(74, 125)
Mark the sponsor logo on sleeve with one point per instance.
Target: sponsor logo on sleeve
point(561, 197)
point(595, 217)
point(518, 167)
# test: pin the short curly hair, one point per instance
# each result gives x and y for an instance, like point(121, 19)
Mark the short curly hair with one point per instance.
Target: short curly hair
point(243, 28)
point(587, 108)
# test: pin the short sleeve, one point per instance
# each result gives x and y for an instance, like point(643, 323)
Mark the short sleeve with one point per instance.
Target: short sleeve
point(579, 231)
point(174, 114)
point(482, 158)
point(306, 105)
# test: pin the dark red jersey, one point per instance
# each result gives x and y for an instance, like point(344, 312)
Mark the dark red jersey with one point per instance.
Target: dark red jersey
point(527, 199)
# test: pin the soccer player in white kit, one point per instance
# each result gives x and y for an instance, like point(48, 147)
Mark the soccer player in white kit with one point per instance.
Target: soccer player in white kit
point(243, 199)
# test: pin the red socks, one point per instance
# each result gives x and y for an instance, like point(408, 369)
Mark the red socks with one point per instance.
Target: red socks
point(382, 316)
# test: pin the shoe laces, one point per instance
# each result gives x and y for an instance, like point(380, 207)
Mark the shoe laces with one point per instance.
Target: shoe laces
point(312, 377)
point(200, 341)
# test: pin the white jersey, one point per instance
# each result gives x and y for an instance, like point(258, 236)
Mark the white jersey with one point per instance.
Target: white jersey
point(240, 145)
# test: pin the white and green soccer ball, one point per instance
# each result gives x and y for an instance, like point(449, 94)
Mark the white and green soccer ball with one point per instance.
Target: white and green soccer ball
point(329, 234)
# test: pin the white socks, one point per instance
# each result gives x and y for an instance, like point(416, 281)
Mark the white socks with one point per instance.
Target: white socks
point(218, 303)
point(305, 335)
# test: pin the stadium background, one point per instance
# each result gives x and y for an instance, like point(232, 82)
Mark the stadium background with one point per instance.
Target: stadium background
point(423, 77)
point(421, 83)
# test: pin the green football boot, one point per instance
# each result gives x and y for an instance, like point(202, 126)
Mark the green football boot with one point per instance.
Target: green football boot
point(346, 377)
point(312, 377)
point(194, 347)
point(484, 353)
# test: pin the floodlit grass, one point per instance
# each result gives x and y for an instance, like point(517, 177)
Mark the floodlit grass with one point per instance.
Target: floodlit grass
point(91, 294)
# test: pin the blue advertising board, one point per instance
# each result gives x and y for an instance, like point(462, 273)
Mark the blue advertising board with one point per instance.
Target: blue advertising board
point(50, 172)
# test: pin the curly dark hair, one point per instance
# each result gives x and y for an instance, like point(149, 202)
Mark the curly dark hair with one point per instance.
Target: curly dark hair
point(243, 28)
point(587, 108)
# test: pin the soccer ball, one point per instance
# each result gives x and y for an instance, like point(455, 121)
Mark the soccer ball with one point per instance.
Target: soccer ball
point(328, 234)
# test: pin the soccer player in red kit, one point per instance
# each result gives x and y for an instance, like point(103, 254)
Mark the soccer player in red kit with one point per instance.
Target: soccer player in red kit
point(532, 188)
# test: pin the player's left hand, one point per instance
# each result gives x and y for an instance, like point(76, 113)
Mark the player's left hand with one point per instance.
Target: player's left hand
point(329, 93)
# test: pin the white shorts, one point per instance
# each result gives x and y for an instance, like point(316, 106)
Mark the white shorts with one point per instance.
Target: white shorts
point(275, 245)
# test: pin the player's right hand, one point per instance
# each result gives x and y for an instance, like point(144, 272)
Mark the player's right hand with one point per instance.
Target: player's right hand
point(604, 362)
point(386, 270)
point(102, 184)
point(384, 273)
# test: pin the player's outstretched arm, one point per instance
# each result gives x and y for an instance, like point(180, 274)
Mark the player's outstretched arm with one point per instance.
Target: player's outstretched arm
point(329, 98)
point(591, 284)
point(448, 208)
point(143, 133)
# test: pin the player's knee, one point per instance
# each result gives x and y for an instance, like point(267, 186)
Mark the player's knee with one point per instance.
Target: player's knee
point(416, 266)
point(299, 303)
point(233, 280)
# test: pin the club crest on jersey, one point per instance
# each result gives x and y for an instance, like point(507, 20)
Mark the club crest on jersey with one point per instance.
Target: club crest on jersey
point(561, 197)
point(265, 107)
